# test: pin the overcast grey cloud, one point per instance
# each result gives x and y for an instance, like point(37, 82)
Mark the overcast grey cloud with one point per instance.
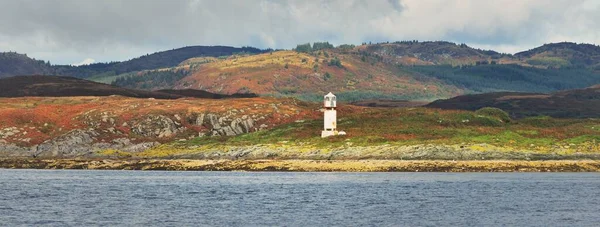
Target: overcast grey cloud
point(76, 31)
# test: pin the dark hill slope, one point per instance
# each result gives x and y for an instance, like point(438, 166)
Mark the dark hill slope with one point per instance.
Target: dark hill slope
point(579, 103)
point(56, 86)
point(205, 94)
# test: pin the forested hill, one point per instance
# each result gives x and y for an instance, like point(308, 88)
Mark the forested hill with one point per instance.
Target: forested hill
point(13, 64)
point(157, 60)
point(429, 53)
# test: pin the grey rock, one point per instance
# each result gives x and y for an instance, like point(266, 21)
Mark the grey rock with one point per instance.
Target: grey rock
point(155, 126)
point(74, 143)
point(12, 150)
point(213, 121)
point(200, 120)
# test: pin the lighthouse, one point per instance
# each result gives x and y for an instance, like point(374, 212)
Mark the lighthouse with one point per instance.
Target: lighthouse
point(330, 116)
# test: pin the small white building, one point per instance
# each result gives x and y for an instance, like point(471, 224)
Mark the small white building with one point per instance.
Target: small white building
point(330, 116)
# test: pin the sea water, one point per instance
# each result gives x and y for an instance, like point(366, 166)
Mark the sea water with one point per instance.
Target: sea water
point(111, 198)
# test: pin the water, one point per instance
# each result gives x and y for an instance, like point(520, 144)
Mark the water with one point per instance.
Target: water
point(78, 197)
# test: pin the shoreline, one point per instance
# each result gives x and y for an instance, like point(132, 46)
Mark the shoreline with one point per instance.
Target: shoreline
point(307, 165)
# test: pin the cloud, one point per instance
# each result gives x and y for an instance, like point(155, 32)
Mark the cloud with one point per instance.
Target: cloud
point(86, 61)
point(66, 31)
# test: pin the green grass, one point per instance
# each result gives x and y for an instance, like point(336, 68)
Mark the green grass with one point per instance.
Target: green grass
point(413, 126)
point(549, 61)
point(583, 139)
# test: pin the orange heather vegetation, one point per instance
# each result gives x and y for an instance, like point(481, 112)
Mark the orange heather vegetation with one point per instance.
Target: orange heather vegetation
point(293, 73)
point(41, 118)
point(279, 120)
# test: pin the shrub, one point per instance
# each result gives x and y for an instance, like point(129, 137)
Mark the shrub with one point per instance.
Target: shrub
point(346, 47)
point(321, 46)
point(336, 62)
point(494, 112)
point(303, 48)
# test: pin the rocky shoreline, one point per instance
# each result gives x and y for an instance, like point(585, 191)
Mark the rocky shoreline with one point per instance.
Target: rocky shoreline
point(306, 165)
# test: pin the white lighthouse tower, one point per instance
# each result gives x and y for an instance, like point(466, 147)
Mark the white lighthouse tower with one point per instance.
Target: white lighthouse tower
point(330, 116)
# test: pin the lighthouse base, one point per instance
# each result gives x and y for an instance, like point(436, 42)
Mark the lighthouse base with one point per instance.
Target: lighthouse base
point(328, 133)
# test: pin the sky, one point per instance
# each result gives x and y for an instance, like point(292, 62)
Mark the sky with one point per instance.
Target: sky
point(87, 31)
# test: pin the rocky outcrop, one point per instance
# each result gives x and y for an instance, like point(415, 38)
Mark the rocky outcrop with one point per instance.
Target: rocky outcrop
point(82, 126)
point(74, 143)
point(224, 125)
point(157, 126)
point(124, 144)
point(12, 150)
point(77, 143)
point(103, 129)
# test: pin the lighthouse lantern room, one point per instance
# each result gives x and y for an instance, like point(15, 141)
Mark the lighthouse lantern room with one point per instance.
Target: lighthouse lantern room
point(330, 116)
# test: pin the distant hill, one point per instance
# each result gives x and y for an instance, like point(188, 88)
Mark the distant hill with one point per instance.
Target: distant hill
point(13, 64)
point(309, 76)
point(429, 53)
point(406, 70)
point(397, 71)
point(163, 59)
point(562, 55)
point(57, 86)
point(578, 103)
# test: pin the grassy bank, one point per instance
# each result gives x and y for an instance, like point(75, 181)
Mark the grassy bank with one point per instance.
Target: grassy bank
point(405, 133)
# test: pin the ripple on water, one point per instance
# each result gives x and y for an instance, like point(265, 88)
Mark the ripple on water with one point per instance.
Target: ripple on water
point(59, 198)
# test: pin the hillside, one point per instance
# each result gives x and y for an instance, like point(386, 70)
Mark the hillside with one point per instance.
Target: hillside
point(417, 71)
point(289, 73)
point(579, 103)
point(309, 75)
